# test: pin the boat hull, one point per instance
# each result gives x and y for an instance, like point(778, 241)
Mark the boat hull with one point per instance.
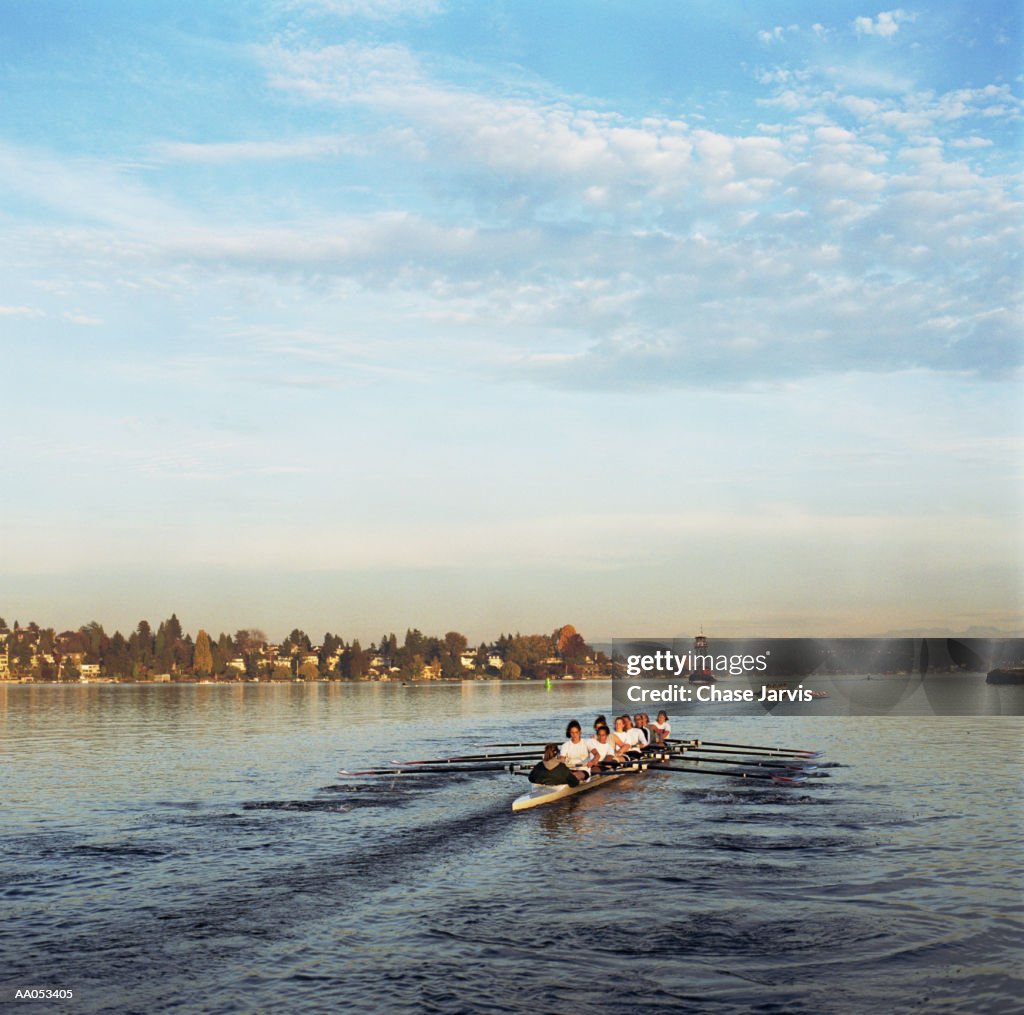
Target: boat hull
point(538, 796)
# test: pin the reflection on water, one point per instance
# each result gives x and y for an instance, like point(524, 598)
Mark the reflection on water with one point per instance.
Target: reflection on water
point(193, 847)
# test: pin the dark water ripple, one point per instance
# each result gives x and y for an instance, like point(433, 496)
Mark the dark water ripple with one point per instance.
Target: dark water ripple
point(220, 884)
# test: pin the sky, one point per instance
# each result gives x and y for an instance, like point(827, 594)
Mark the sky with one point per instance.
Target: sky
point(362, 315)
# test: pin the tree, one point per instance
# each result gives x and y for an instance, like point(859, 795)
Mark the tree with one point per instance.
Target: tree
point(20, 655)
point(328, 649)
point(115, 656)
point(203, 656)
point(96, 641)
point(297, 639)
point(354, 662)
point(574, 649)
point(387, 647)
point(184, 654)
point(529, 652)
point(250, 639)
point(452, 647)
point(140, 648)
point(562, 636)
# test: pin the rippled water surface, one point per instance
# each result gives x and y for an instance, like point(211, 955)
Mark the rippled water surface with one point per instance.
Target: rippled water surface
point(193, 848)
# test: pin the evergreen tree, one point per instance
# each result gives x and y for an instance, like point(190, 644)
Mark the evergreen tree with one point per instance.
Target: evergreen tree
point(140, 648)
point(115, 657)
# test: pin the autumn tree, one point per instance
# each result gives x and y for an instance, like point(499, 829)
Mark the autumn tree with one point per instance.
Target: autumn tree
point(203, 655)
point(562, 636)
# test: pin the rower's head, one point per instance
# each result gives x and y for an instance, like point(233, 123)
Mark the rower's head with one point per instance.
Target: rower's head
point(600, 721)
point(602, 733)
point(663, 717)
point(620, 726)
point(550, 751)
point(638, 720)
point(626, 721)
point(573, 731)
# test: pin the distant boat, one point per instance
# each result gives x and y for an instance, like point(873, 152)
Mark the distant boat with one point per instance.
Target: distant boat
point(700, 647)
point(1006, 675)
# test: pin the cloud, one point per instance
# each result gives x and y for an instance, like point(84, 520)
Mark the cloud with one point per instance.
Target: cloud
point(886, 25)
point(372, 10)
point(216, 153)
point(582, 247)
point(20, 312)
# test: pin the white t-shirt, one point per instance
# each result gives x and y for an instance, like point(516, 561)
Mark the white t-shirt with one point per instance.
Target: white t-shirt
point(633, 736)
point(630, 737)
point(574, 755)
point(664, 728)
point(605, 750)
point(645, 735)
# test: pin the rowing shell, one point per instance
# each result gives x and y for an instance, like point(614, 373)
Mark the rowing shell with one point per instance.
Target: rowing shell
point(538, 795)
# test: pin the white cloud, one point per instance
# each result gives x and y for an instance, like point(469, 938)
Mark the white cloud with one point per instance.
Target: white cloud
point(372, 10)
point(886, 25)
point(326, 146)
point(580, 246)
point(972, 142)
point(77, 317)
point(20, 312)
point(777, 33)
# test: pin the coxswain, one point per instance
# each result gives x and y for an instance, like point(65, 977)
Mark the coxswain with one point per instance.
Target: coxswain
point(552, 771)
point(575, 752)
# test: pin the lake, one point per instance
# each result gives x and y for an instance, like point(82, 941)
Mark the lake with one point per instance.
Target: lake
point(193, 848)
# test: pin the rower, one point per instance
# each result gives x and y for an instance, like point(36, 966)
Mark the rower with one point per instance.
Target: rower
point(575, 752)
point(602, 750)
point(640, 724)
point(633, 736)
point(662, 728)
point(624, 741)
point(552, 771)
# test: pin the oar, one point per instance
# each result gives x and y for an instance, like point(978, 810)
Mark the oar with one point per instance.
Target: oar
point(785, 766)
point(786, 779)
point(461, 758)
point(752, 747)
point(747, 754)
point(540, 743)
point(434, 771)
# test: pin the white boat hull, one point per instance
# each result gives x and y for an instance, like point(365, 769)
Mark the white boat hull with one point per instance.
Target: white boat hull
point(540, 795)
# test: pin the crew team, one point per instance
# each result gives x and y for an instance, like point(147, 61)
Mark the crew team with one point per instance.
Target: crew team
point(577, 758)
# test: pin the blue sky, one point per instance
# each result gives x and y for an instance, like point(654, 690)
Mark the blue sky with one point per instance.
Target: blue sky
point(366, 314)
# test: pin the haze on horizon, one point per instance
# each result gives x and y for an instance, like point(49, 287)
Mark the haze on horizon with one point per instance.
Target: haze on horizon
point(360, 315)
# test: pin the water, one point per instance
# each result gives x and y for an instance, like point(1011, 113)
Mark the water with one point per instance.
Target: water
point(191, 848)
